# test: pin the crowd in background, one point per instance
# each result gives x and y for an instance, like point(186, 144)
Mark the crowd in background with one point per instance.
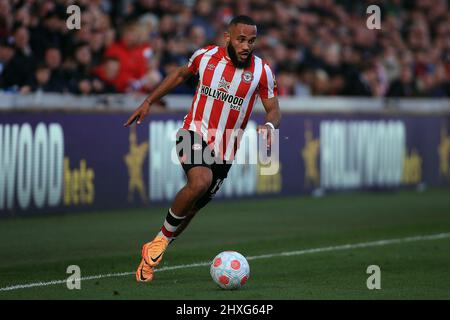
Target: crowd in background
point(315, 47)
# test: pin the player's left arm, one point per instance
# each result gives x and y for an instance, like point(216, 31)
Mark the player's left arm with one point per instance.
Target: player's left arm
point(268, 92)
point(272, 119)
point(273, 113)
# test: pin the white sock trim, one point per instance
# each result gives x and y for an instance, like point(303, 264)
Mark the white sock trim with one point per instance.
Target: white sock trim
point(174, 215)
point(170, 227)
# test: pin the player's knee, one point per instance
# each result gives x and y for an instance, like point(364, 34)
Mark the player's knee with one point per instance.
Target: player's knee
point(200, 184)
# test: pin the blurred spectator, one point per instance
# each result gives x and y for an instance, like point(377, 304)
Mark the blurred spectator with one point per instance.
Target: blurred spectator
point(6, 18)
point(364, 82)
point(40, 81)
point(18, 70)
point(47, 33)
point(133, 56)
point(108, 72)
point(203, 15)
point(404, 86)
point(316, 47)
point(6, 54)
point(197, 38)
point(435, 83)
point(305, 82)
point(53, 61)
point(78, 70)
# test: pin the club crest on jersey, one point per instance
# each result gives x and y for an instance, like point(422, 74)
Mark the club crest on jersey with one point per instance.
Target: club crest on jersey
point(247, 77)
point(224, 84)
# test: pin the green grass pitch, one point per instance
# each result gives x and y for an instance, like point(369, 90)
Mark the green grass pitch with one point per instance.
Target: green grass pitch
point(39, 249)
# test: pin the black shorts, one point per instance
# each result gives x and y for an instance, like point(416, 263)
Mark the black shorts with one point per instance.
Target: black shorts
point(192, 152)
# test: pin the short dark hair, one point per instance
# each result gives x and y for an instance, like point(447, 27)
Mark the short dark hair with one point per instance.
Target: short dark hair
point(242, 19)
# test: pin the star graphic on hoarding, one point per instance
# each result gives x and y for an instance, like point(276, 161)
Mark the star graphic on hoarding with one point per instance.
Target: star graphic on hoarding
point(412, 168)
point(310, 154)
point(134, 161)
point(444, 153)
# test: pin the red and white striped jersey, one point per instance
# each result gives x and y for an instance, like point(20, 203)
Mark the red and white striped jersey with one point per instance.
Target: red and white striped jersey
point(225, 97)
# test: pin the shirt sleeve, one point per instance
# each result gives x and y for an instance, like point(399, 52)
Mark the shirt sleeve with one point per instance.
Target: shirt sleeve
point(267, 84)
point(194, 61)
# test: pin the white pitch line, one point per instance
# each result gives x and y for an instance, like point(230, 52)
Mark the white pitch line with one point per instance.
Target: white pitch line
point(265, 256)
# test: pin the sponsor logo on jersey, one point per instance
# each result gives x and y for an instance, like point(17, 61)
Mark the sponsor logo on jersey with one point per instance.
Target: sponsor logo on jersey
point(234, 101)
point(224, 85)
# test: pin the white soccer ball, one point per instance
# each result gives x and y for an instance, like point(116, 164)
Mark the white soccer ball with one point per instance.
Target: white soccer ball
point(230, 270)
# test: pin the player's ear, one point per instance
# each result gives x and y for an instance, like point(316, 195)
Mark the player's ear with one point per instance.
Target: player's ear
point(227, 36)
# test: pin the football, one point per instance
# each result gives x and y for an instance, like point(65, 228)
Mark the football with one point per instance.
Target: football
point(230, 270)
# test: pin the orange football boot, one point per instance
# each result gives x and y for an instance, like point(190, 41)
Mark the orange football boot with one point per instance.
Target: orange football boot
point(152, 252)
point(144, 273)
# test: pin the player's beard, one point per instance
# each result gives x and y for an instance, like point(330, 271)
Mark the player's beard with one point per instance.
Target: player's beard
point(234, 57)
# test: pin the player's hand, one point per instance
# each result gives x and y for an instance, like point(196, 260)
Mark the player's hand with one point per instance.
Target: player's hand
point(139, 114)
point(265, 131)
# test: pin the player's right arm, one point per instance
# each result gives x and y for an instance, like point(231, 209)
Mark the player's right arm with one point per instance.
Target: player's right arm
point(172, 80)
